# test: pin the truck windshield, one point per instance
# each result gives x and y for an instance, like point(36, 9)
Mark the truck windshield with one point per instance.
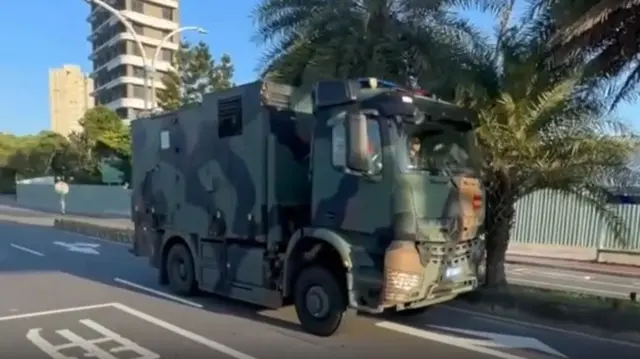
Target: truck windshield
point(439, 150)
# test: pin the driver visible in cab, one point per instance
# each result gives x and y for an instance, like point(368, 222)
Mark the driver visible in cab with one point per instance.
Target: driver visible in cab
point(414, 152)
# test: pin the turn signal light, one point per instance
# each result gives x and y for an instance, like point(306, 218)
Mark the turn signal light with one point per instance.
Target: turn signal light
point(477, 202)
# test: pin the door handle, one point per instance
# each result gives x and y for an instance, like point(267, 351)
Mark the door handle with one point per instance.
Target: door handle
point(330, 215)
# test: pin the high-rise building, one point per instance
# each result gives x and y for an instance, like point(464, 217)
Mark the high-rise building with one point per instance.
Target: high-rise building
point(69, 98)
point(118, 70)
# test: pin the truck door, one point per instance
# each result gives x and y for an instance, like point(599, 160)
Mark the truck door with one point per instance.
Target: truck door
point(345, 200)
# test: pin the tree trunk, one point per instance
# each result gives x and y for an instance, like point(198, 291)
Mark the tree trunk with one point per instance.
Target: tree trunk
point(500, 213)
point(497, 243)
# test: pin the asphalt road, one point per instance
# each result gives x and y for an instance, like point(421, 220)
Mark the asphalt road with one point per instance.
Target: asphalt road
point(573, 280)
point(64, 295)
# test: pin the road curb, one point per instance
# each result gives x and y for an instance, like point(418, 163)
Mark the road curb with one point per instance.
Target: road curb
point(576, 268)
point(119, 235)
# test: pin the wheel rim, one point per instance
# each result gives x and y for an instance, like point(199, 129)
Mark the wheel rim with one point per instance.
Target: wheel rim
point(179, 269)
point(317, 302)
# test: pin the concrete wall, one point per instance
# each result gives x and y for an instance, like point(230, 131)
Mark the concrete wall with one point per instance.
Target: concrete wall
point(82, 199)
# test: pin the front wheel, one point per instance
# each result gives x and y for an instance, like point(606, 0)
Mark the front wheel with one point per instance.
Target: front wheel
point(180, 270)
point(319, 301)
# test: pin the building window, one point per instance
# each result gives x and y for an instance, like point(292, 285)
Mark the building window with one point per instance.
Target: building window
point(138, 72)
point(139, 29)
point(122, 113)
point(138, 91)
point(167, 14)
point(137, 6)
point(167, 55)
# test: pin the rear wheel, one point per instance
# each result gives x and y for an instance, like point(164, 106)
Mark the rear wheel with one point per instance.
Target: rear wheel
point(319, 301)
point(180, 270)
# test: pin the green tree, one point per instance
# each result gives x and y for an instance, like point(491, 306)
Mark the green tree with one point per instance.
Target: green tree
point(540, 128)
point(115, 148)
point(99, 121)
point(33, 155)
point(104, 139)
point(604, 32)
point(197, 73)
point(408, 42)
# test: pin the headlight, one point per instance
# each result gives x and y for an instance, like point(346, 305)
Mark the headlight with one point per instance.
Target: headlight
point(400, 286)
point(403, 281)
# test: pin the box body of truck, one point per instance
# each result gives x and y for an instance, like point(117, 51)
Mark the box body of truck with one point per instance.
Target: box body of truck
point(229, 175)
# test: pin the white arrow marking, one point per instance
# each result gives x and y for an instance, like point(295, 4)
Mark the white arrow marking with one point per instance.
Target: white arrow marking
point(497, 340)
point(80, 247)
point(446, 339)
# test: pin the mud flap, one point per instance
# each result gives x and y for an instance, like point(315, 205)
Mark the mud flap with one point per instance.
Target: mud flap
point(141, 243)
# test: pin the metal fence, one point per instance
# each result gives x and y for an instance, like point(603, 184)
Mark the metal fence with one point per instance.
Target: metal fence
point(82, 199)
point(554, 218)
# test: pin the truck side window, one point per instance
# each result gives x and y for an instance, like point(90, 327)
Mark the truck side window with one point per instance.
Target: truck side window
point(230, 117)
point(339, 145)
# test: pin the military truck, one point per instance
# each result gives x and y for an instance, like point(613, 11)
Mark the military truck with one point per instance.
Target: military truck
point(347, 197)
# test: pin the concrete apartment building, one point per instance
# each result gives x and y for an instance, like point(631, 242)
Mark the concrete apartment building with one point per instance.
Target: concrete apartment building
point(118, 70)
point(69, 98)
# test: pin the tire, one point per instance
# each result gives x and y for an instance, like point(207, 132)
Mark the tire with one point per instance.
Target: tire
point(319, 284)
point(181, 270)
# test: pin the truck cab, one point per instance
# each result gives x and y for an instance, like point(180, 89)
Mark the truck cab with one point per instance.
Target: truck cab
point(395, 179)
point(356, 195)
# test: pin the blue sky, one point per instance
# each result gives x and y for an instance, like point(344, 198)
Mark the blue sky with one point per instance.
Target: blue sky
point(38, 35)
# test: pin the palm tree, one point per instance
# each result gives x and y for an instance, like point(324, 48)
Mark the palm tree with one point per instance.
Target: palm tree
point(604, 32)
point(540, 127)
point(404, 41)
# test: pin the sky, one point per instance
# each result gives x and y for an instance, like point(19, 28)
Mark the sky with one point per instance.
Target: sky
point(43, 34)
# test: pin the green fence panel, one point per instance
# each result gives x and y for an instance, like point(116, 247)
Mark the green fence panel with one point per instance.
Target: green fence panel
point(555, 218)
point(630, 214)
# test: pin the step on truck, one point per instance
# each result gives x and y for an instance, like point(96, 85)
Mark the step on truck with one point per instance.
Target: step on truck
point(347, 197)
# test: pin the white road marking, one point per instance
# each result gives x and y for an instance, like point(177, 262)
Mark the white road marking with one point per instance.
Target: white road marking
point(543, 327)
point(25, 249)
point(506, 341)
point(445, 339)
point(80, 247)
point(143, 316)
point(97, 238)
point(89, 346)
point(184, 333)
point(158, 293)
point(575, 288)
point(54, 311)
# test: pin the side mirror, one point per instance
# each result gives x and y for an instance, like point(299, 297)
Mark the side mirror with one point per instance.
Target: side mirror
point(357, 143)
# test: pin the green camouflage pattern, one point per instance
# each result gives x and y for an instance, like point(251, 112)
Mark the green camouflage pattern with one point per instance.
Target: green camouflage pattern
point(247, 180)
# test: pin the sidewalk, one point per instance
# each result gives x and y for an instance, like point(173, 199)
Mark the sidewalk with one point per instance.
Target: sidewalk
point(585, 266)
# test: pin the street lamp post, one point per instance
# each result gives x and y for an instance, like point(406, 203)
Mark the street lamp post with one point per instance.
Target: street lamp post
point(133, 33)
point(157, 53)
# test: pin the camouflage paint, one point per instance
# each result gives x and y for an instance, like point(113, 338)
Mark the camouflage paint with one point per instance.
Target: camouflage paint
point(242, 201)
